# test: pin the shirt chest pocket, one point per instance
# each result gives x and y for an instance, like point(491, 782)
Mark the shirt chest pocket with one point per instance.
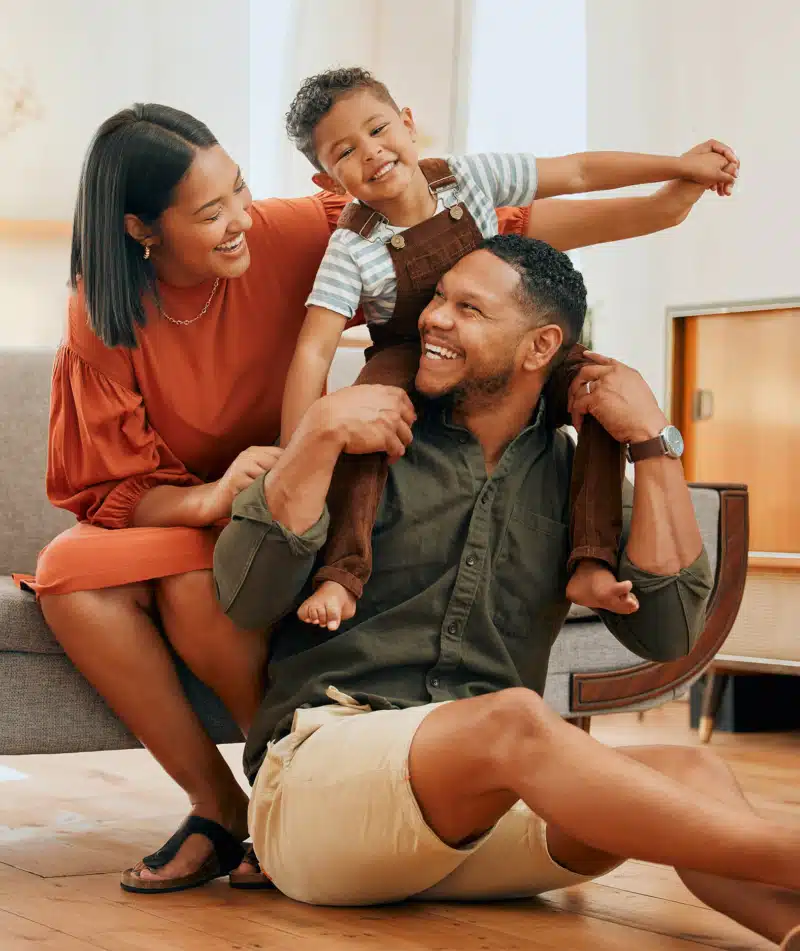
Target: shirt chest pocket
point(530, 575)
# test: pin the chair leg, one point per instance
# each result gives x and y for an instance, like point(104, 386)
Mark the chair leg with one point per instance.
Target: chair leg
point(582, 723)
point(712, 697)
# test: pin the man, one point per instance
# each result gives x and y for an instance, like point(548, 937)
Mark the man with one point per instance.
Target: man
point(369, 786)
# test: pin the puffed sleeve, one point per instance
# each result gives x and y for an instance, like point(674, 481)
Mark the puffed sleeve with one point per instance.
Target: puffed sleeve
point(333, 205)
point(103, 456)
point(513, 220)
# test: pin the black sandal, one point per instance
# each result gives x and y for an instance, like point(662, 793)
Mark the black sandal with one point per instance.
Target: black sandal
point(257, 880)
point(228, 853)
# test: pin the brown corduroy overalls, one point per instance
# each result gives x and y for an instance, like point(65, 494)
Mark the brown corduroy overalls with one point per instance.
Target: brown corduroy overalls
point(421, 255)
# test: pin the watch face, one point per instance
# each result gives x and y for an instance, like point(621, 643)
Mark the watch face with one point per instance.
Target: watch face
point(673, 441)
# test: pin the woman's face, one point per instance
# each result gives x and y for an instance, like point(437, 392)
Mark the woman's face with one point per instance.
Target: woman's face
point(202, 234)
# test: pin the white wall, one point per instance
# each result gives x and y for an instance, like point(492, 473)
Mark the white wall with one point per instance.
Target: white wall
point(526, 90)
point(662, 77)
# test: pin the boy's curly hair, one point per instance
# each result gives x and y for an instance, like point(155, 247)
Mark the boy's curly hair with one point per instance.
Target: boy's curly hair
point(550, 290)
point(317, 96)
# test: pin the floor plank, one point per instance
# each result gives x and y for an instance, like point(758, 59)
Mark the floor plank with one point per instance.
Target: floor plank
point(71, 823)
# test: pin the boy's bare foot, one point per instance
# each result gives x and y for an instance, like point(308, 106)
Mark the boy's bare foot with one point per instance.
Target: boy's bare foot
point(594, 586)
point(328, 606)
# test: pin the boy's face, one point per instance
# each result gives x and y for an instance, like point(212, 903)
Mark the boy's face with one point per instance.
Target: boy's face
point(366, 148)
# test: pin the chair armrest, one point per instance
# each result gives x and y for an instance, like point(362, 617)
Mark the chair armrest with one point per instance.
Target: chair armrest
point(594, 692)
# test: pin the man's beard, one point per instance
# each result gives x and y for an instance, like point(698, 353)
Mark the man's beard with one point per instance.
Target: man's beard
point(477, 392)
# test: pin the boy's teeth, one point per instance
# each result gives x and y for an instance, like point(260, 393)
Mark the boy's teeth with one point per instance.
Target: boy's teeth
point(383, 171)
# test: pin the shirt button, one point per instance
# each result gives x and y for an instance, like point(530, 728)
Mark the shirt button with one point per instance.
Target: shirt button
point(471, 559)
point(435, 682)
point(452, 628)
point(463, 440)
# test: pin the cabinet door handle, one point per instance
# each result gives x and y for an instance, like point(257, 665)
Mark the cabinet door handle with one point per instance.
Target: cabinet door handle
point(702, 405)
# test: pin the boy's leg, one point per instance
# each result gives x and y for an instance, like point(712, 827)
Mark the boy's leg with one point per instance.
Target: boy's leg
point(595, 500)
point(356, 489)
point(472, 759)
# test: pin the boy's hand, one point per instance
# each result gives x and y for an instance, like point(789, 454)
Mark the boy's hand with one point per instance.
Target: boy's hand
point(709, 169)
point(731, 165)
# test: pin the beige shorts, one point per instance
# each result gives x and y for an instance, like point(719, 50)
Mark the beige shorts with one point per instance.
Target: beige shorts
point(334, 820)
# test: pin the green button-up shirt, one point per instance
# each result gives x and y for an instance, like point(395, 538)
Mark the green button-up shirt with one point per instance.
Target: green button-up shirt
point(467, 590)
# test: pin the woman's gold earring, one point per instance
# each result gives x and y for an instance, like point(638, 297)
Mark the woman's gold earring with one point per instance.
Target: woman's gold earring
point(146, 251)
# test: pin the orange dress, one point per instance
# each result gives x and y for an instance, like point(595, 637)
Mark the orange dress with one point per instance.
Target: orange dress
point(180, 407)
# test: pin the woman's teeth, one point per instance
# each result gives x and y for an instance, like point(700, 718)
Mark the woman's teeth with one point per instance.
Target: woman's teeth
point(439, 353)
point(383, 171)
point(232, 245)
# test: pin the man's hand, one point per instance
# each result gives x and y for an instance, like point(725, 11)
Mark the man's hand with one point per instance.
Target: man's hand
point(365, 418)
point(618, 398)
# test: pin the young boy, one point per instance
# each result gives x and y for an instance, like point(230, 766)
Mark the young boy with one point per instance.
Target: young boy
point(410, 222)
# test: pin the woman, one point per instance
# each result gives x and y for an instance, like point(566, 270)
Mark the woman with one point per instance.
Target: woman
point(188, 299)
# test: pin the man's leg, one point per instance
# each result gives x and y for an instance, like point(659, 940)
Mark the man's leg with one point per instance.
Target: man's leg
point(770, 911)
point(471, 760)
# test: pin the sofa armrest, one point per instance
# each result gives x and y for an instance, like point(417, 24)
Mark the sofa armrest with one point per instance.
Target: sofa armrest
point(642, 684)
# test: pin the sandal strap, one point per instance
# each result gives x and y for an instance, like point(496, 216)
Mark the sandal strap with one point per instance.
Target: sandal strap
point(227, 848)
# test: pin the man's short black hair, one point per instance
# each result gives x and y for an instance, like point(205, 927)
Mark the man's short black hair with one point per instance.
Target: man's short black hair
point(318, 95)
point(550, 289)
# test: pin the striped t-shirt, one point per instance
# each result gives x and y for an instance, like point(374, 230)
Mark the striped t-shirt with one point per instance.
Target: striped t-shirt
point(358, 270)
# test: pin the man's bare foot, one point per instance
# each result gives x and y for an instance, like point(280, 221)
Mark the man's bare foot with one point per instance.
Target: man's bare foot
point(594, 586)
point(328, 606)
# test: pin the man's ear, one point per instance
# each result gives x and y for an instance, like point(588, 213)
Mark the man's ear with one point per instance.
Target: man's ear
point(542, 346)
point(327, 183)
point(139, 231)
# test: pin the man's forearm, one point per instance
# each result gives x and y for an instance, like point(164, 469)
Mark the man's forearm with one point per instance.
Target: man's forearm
point(664, 536)
point(296, 489)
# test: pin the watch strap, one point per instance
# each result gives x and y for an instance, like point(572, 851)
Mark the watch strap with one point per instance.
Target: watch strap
point(648, 449)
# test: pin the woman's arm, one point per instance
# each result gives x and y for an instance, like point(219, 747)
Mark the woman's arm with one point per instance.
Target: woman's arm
point(308, 371)
point(567, 225)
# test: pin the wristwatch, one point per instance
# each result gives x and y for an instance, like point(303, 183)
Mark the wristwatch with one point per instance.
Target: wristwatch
point(668, 442)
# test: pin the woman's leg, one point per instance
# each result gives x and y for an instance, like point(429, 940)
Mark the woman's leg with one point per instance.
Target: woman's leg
point(230, 660)
point(110, 636)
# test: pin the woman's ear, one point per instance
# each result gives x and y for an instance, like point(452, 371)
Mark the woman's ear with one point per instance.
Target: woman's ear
point(543, 345)
point(327, 183)
point(139, 231)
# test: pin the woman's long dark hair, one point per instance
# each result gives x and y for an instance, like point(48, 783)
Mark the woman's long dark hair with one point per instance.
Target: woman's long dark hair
point(134, 162)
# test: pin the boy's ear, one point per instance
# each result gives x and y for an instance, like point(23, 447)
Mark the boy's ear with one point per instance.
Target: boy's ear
point(408, 121)
point(327, 183)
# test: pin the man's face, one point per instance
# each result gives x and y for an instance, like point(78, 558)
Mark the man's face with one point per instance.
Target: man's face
point(472, 331)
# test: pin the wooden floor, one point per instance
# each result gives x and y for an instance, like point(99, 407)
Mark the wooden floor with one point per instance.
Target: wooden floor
point(70, 823)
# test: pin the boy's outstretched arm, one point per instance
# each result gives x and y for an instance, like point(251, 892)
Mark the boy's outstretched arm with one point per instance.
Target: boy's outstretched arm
point(600, 171)
point(578, 224)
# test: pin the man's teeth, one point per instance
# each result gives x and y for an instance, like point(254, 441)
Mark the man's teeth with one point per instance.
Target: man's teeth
point(232, 245)
point(383, 170)
point(439, 353)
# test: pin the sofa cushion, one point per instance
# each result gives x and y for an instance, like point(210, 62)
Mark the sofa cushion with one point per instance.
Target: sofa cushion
point(27, 520)
point(22, 626)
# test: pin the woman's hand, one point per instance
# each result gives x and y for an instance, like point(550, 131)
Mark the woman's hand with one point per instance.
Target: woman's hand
point(244, 470)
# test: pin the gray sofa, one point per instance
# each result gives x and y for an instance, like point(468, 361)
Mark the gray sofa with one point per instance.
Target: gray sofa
point(47, 706)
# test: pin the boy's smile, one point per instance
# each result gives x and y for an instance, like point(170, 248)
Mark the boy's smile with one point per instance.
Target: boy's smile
point(367, 150)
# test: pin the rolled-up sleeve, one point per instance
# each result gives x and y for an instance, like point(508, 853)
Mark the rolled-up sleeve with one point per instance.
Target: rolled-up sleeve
point(260, 567)
point(672, 610)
